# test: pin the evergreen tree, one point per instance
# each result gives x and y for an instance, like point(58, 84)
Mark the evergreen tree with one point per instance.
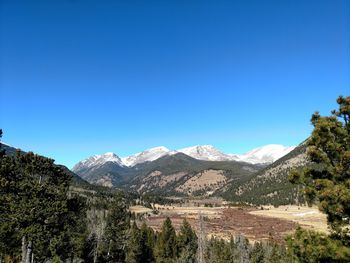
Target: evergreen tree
point(307, 246)
point(134, 246)
point(166, 249)
point(275, 253)
point(234, 253)
point(327, 180)
point(218, 250)
point(257, 254)
point(35, 208)
point(148, 242)
point(117, 224)
point(187, 243)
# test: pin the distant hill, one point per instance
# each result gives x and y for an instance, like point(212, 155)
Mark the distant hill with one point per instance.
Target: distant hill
point(180, 174)
point(270, 185)
point(159, 170)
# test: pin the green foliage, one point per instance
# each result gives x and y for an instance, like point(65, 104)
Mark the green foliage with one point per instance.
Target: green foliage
point(257, 254)
point(134, 246)
point(187, 243)
point(140, 245)
point(36, 213)
point(218, 251)
point(113, 244)
point(308, 246)
point(166, 247)
point(148, 240)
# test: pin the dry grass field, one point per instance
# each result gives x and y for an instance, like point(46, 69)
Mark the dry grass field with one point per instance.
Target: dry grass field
point(309, 217)
point(224, 221)
point(139, 209)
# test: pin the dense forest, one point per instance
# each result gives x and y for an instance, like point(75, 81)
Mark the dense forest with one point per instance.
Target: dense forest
point(45, 219)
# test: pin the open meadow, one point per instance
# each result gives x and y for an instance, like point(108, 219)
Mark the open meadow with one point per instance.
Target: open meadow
point(223, 221)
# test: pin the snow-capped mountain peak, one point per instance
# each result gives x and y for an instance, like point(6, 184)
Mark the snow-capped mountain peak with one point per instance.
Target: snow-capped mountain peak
point(98, 160)
point(205, 152)
point(146, 156)
point(265, 154)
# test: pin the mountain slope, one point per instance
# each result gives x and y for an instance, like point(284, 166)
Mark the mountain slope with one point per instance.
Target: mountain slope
point(180, 174)
point(76, 180)
point(270, 185)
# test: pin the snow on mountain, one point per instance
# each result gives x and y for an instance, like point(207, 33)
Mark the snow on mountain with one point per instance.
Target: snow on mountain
point(205, 152)
point(265, 154)
point(98, 160)
point(146, 156)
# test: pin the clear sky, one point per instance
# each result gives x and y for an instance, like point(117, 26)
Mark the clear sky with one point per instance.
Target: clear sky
point(84, 77)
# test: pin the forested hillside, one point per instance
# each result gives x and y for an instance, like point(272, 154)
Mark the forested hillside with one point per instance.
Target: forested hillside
point(270, 185)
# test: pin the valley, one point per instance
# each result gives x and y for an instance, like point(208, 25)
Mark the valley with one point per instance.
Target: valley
point(221, 220)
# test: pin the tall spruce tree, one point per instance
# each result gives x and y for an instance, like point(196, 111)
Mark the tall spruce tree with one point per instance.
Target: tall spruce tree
point(115, 236)
point(134, 246)
point(187, 243)
point(166, 249)
point(148, 240)
point(327, 181)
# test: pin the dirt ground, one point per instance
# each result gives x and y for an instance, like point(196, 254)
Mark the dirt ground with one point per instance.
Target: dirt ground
point(223, 222)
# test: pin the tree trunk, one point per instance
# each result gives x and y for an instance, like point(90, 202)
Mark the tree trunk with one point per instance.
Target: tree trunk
point(24, 249)
point(95, 252)
point(29, 252)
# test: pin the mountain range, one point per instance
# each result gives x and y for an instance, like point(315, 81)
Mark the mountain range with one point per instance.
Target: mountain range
point(262, 155)
point(197, 171)
point(157, 168)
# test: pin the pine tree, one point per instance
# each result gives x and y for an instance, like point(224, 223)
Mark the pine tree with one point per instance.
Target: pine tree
point(35, 208)
point(327, 180)
point(257, 254)
point(134, 246)
point(218, 250)
point(187, 243)
point(148, 242)
point(166, 249)
point(114, 241)
point(307, 246)
point(275, 253)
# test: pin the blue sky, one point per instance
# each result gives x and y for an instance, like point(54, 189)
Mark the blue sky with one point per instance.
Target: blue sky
point(84, 77)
